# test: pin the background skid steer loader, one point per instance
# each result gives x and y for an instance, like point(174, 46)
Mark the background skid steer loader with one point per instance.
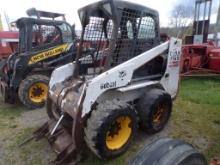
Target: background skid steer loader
point(43, 45)
point(125, 76)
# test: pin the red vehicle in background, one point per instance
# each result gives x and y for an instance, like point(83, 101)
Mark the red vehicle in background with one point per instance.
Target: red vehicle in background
point(200, 58)
point(198, 54)
point(8, 43)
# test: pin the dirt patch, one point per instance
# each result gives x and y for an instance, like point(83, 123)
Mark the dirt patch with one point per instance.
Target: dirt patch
point(33, 118)
point(2, 151)
point(143, 138)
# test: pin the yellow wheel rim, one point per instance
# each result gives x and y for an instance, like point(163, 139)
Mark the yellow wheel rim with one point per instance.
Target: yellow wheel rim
point(118, 133)
point(38, 92)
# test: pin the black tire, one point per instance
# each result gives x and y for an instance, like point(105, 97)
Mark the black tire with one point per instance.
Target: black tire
point(100, 123)
point(167, 151)
point(24, 87)
point(149, 106)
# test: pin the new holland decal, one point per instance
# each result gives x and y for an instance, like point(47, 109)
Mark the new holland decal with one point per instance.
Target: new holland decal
point(49, 53)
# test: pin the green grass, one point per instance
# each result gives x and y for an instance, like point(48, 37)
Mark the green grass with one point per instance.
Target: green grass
point(196, 116)
point(31, 153)
point(12, 134)
point(201, 91)
point(195, 119)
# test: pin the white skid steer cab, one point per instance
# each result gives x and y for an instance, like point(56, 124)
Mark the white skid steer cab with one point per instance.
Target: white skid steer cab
point(123, 78)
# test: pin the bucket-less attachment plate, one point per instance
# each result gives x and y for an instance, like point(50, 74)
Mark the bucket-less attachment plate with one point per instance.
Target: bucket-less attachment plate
point(61, 143)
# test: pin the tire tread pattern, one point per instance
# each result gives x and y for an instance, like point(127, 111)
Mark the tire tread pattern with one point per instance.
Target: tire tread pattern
point(97, 118)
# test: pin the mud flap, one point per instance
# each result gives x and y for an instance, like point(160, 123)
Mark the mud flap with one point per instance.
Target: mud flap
point(61, 142)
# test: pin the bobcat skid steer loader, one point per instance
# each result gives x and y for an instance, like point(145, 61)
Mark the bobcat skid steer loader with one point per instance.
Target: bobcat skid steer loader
point(123, 78)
